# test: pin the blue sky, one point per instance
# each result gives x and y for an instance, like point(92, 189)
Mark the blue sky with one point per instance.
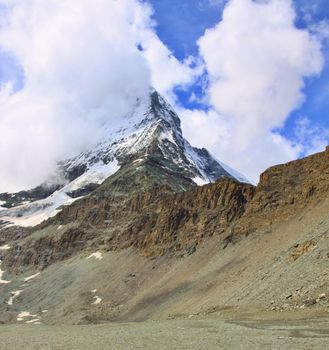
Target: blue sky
point(181, 23)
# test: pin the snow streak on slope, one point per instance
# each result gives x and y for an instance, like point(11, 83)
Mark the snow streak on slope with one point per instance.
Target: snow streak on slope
point(32, 214)
point(96, 174)
point(238, 176)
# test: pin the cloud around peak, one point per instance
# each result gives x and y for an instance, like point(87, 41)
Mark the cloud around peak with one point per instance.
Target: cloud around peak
point(80, 66)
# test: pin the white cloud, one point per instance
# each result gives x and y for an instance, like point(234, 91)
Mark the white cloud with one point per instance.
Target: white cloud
point(167, 72)
point(257, 60)
point(217, 133)
point(321, 29)
point(82, 68)
point(206, 128)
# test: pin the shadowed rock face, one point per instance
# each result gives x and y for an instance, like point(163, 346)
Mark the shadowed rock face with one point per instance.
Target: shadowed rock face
point(155, 222)
point(158, 221)
point(46, 250)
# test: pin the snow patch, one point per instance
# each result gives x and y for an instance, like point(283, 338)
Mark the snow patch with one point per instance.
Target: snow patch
point(59, 227)
point(34, 213)
point(97, 255)
point(97, 301)
point(167, 135)
point(199, 181)
point(25, 314)
point(14, 294)
point(34, 321)
point(199, 163)
point(138, 160)
point(95, 175)
point(31, 277)
point(5, 247)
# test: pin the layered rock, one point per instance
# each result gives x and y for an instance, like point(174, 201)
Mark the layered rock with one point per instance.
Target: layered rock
point(155, 222)
point(284, 190)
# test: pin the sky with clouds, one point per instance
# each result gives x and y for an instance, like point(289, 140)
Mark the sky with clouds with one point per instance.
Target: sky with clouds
point(249, 78)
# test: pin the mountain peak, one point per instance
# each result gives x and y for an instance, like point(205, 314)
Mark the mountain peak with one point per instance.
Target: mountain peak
point(159, 105)
point(144, 148)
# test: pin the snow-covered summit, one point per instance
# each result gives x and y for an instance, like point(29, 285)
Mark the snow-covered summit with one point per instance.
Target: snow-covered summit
point(151, 130)
point(152, 124)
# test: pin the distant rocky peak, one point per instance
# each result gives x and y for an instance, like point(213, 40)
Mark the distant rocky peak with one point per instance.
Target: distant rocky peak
point(163, 110)
point(148, 140)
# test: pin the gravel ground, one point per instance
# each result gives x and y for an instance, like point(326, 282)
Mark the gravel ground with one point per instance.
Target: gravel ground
point(172, 334)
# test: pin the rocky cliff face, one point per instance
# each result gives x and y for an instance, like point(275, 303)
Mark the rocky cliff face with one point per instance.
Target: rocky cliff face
point(284, 190)
point(158, 221)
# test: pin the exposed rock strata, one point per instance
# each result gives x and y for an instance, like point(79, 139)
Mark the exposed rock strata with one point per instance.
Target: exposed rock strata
point(159, 221)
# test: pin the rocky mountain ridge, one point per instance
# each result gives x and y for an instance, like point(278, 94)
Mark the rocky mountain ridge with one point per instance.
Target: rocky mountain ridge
point(160, 221)
point(285, 189)
point(149, 138)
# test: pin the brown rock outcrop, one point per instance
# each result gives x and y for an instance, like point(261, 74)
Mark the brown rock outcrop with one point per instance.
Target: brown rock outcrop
point(284, 190)
point(180, 221)
point(155, 222)
point(46, 250)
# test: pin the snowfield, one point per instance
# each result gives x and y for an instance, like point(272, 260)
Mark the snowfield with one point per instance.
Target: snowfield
point(34, 213)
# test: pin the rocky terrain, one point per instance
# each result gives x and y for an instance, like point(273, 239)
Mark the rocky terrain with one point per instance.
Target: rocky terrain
point(159, 254)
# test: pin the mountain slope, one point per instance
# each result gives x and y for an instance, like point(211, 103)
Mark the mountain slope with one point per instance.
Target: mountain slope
point(143, 148)
point(159, 254)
